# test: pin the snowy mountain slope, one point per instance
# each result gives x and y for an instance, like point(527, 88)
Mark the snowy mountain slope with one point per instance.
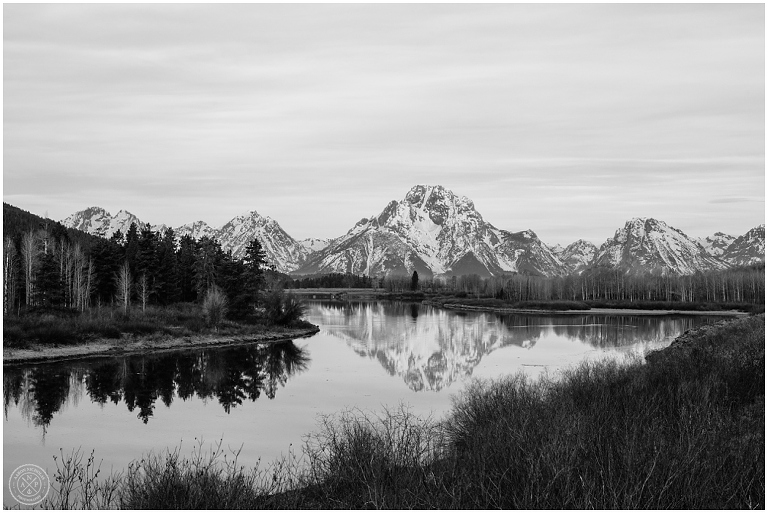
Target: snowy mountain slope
point(196, 230)
point(282, 250)
point(747, 249)
point(645, 244)
point(313, 244)
point(432, 231)
point(716, 244)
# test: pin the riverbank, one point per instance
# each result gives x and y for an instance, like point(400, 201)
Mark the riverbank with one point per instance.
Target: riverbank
point(591, 311)
point(131, 345)
point(558, 307)
point(683, 429)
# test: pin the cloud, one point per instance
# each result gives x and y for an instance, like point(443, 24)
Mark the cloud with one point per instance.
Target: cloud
point(737, 199)
point(165, 106)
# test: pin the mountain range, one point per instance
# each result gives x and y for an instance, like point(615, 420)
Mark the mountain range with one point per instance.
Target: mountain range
point(437, 233)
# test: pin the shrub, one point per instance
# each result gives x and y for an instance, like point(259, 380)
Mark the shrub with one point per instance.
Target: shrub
point(360, 460)
point(283, 309)
point(215, 306)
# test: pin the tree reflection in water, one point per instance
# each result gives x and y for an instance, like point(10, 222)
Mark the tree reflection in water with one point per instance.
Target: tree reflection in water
point(231, 375)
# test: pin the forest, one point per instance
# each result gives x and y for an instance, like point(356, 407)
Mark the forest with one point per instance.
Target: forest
point(46, 266)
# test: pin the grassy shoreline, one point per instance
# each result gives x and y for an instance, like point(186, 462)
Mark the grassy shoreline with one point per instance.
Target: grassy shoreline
point(54, 335)
point(560, 307)
point(145, 345)
point(591, 311)
point(684, 429)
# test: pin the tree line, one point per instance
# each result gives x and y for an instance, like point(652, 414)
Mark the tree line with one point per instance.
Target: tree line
point(45, 267)
point(335, 281)
point(735, 285)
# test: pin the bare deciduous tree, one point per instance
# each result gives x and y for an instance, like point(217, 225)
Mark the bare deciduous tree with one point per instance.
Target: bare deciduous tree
point(9, 275)
point(124, 287)
point(143, 290)
point(30, 253)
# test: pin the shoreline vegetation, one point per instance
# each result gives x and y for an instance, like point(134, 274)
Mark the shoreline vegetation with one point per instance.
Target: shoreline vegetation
point(129, 346)
point(49, 335)
point(682, 429)
point(461, 301)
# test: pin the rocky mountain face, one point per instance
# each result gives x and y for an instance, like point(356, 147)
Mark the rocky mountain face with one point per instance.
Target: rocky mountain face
point(433, 232)
point(437, 233)
point(578, 255)
point(645, 244)
point(747, 249)
point(99, 222)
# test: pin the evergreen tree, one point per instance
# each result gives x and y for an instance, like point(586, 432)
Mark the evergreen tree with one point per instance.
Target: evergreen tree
point(168, 290)
point(48, 287)
point(148, 261)
point(185, 259)
point(106, 255)
point(231, 272)
point(255, 263)
point(415, 281)
point(208, 257)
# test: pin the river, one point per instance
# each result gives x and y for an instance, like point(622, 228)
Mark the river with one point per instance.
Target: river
point(263, 399)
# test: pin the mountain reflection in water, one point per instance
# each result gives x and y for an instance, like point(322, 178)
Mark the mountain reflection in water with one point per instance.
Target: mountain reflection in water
point(431, 347)
point(231, 375)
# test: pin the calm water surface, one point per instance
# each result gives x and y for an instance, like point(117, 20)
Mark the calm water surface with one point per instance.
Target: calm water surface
point(267, 397)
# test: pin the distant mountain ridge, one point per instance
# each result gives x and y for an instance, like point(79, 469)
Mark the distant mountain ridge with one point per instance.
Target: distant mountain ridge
point(282, 250)
point(437, 233)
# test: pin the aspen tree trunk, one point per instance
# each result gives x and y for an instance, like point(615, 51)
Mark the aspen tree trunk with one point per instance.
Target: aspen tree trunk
point(124, 287)
point(9, 275)
point(30, 252)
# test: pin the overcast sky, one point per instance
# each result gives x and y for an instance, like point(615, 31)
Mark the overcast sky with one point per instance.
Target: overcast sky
point(564, 119)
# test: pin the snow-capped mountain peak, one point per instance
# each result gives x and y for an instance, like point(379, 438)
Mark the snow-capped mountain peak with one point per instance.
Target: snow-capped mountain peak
point(197, 230)
point(578, 255)
point(646, 244)
point(97, 221)
point(432, 231)
point(747, 249)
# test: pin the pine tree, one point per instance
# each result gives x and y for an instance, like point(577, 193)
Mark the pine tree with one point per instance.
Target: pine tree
point(168, 272)
point(148, 261)
point(208, 256)
point(106, 255)
point(185, 259)
point(131, 247)
point(48, 286)
point(415, 281)
point(255, 262)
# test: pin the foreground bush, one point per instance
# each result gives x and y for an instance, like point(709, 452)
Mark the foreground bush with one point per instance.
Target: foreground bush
point(283, 309)
point(684, 431)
